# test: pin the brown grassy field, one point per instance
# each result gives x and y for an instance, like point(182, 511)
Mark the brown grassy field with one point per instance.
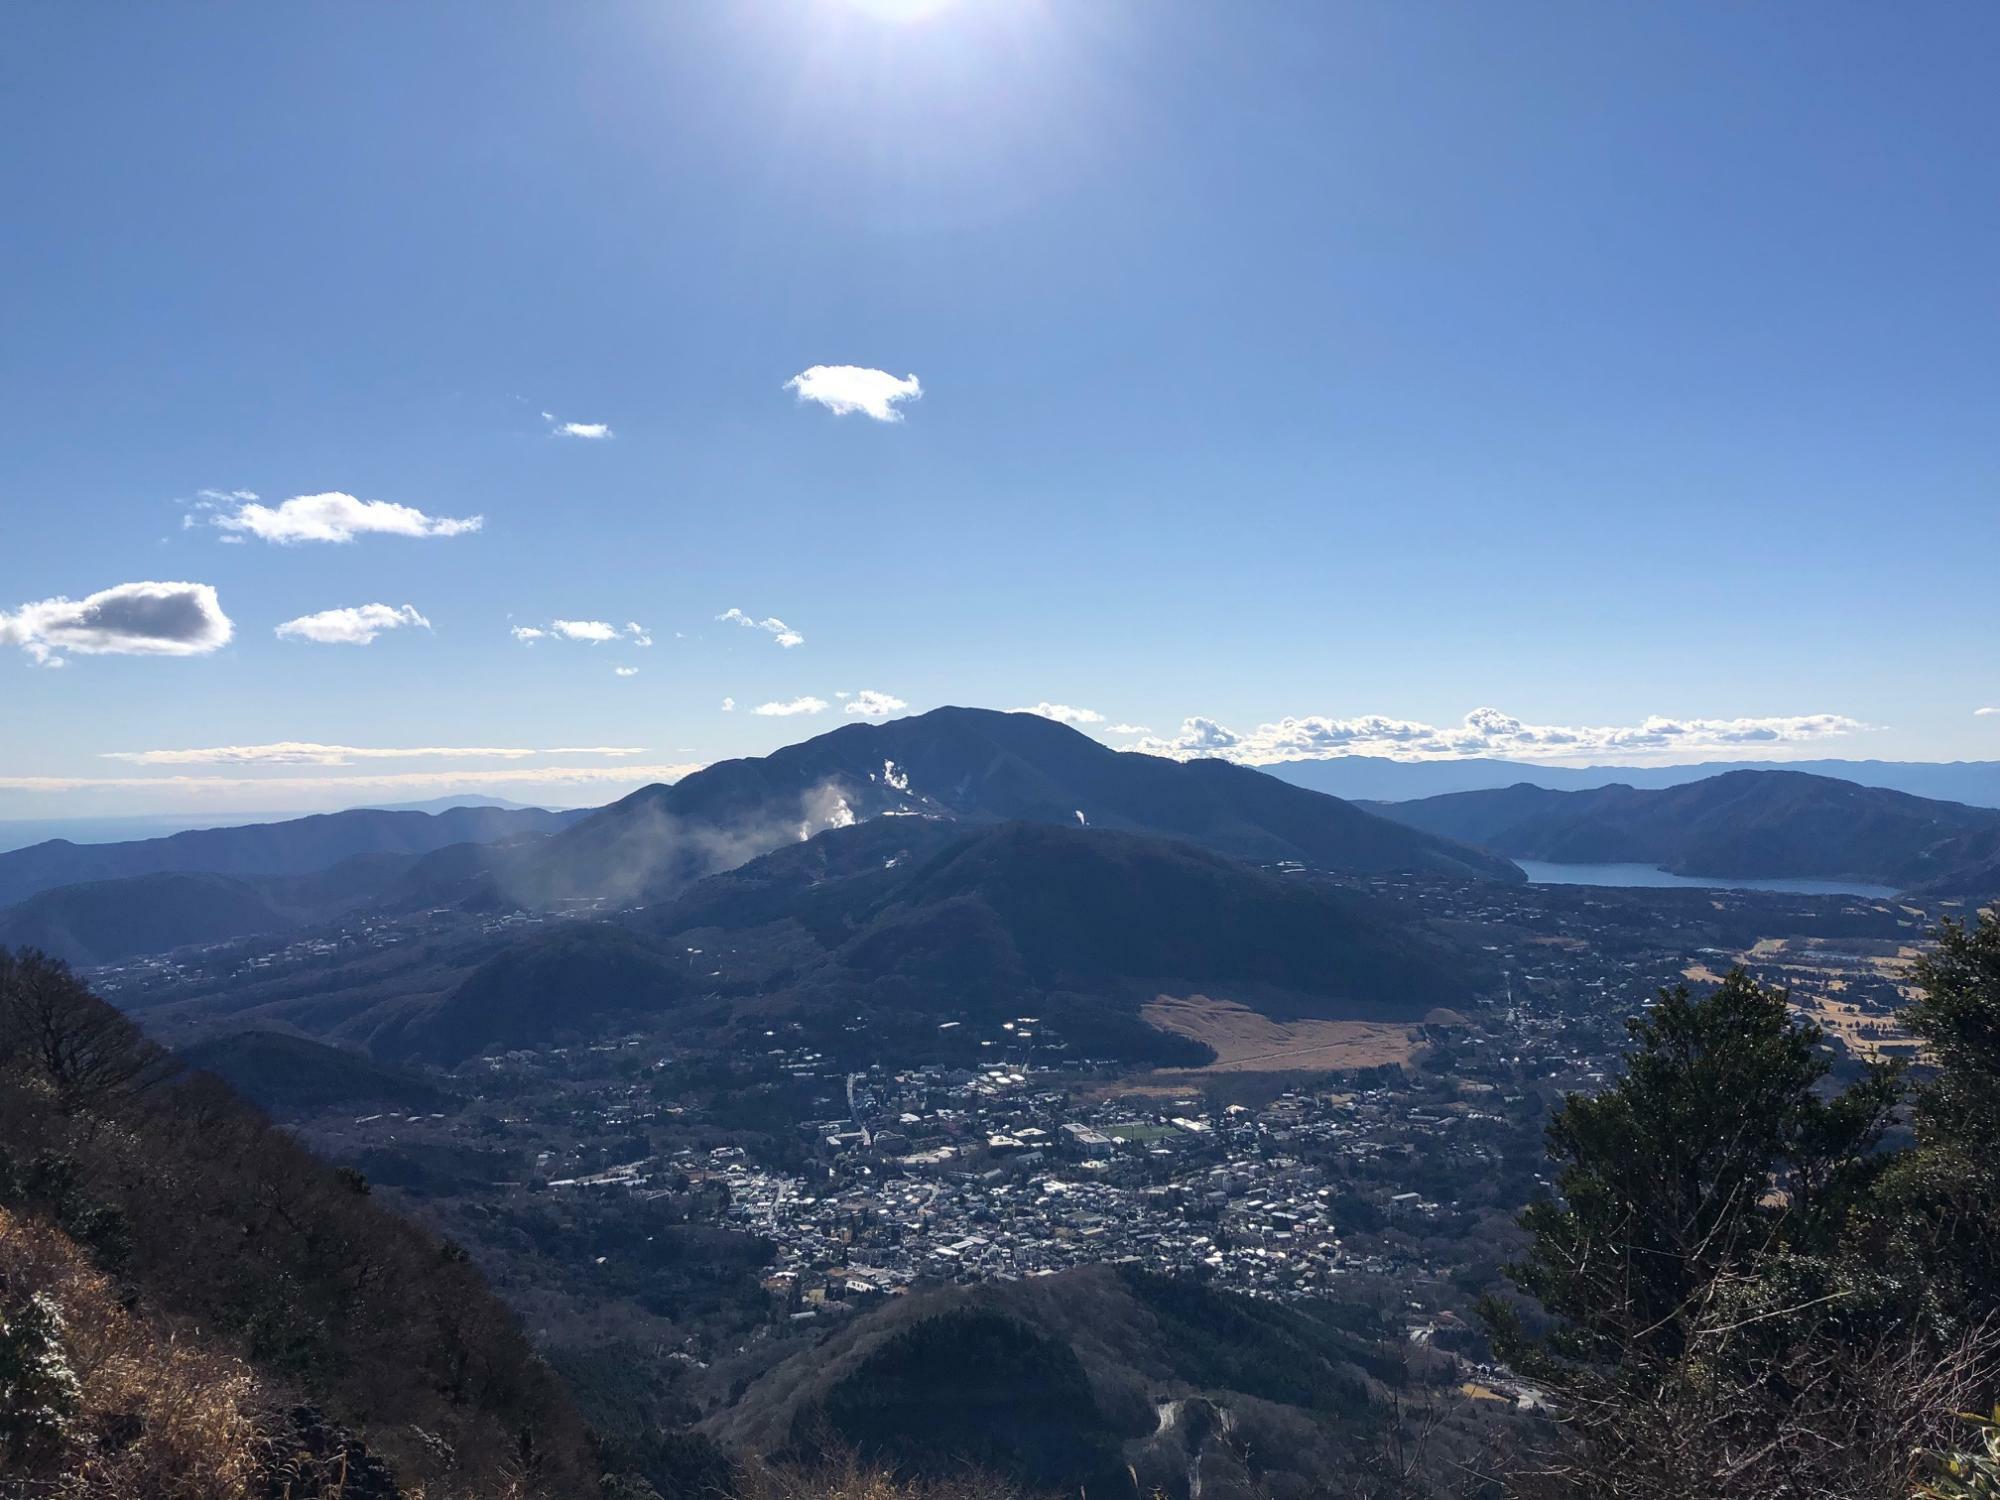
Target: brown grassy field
point(1820, 973)
point(1246, 1042)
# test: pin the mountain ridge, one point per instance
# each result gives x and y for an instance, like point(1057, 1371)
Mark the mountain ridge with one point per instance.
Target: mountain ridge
point(1742, 824)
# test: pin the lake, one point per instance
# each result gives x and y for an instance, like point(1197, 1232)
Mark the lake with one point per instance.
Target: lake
point(1540, 872)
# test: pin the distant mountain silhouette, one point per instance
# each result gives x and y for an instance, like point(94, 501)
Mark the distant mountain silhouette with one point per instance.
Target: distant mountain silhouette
point(967, 765)
point(296, 846)
point(1375, 778)
point(1741, 825)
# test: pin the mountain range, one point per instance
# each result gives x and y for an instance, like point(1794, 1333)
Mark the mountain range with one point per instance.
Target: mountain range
point(965, 765)
point(1739, 825)
point(907, 924)
point(296, 846)
point(1377, 778)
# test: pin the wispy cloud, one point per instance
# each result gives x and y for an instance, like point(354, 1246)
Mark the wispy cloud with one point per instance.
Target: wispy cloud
point(595, 632)
point(312, 753)
point(331, 517)
point(771, 624)
point(263, 786)
point(843, 389)
point(1981, 713)
point(356, 625)
point(131, 619)
point(786, 710)
point(594, 431)
point(1489, 732)
point(870, 704)
point(625, 671)
point(729, 705)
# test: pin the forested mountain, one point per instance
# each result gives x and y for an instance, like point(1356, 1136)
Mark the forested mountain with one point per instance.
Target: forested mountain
point(917, 922)
point(297, 846)
point(1106, 1381)
point(1744, 824)
point(322, 1340)
point(967, 765)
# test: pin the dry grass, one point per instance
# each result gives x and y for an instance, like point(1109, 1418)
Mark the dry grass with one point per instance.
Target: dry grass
point(848, 1479)
point(160, 1415)
point(1246, 1042)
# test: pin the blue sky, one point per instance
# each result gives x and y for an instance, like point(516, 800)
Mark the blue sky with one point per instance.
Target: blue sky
point(1359, 365)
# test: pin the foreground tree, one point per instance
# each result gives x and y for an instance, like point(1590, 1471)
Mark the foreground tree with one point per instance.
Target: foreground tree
point(1941, 1199)
point(1704, 1334)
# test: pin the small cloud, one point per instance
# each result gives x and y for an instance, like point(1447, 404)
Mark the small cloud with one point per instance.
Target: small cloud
point(1062, 713)
point(873, 705)
point(1982, 713)
point(729, 705)
point(638, 634)
point(592, 431)
point(528, 634)
point(353, 626)
point(132, 619)
point(594, 631)
point(625, 671)
point(842, 389)
point(331, 517)
point(1128, 729)
point(787, 710)
point(771, 624)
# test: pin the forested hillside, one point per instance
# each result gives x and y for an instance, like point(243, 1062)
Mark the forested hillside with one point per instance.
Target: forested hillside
point(224, 1303)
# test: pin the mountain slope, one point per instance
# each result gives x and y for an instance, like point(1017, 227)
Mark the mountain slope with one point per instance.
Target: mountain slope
point(898, 925)
point(102, 921)
point(1111, 1381)
point(966, 765)
point(1744, 824)
point(295, 847)
point(221, 1226)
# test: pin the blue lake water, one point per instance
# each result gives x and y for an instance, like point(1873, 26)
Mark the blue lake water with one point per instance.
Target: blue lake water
point(1539, 872)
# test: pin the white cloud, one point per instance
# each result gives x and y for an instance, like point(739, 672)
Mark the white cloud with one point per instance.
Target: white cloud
point(842, 389)
point(332, 517)
point(591, 430)
point(729, 705)
point(777, 628)
point(873, 705)
point(1980, 713)
point(1062, 713)
point(625, 671)
point(1489, 732)
point(594, 631)
point(1127, 729)
point(795, 706)
point(353, 626)
point(132, 619)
